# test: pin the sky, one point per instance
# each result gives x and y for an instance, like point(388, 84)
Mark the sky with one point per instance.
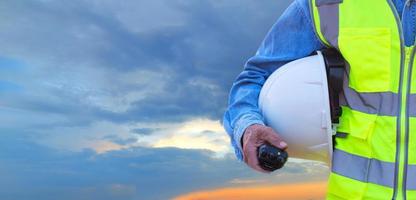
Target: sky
point(104, 99)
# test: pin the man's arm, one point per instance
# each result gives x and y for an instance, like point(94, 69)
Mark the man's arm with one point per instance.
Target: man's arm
point(291, 37)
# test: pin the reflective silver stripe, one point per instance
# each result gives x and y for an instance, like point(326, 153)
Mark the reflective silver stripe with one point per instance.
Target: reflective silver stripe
point(369, 170)
point(329, 21)
point(411, 177)
point(363, 169)
point(412, 105)
point(326, 2)
point(380, 103)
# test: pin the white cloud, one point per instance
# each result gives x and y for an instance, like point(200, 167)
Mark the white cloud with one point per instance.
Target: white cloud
point(197, 134)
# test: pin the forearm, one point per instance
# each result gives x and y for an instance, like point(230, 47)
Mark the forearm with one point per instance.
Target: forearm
point(243, 110)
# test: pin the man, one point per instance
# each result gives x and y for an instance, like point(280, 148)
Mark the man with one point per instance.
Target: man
point(377, 158)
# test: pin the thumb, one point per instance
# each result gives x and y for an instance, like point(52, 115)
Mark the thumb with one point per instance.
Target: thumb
point(274, 139)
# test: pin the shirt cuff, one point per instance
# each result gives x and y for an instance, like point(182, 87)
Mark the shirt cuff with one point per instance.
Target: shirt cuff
point(241, 125)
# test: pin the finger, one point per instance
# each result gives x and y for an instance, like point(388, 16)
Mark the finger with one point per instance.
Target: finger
point(253, 161)
point(274, 139)
point(245, 156)
point(246, 145)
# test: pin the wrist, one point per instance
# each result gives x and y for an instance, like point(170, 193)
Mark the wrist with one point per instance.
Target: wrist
point(248, 131)
point(241, 125)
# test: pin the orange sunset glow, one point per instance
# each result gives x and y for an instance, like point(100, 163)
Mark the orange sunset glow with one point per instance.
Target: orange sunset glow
point(298, 191)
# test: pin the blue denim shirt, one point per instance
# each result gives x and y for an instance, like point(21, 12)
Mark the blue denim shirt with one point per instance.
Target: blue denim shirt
point(290, 38)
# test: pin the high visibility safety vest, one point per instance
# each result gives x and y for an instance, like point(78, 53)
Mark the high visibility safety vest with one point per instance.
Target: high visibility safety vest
point(376, 158)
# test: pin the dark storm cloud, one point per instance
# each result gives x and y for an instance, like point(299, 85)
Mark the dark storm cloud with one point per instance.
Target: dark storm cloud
point(198, 46)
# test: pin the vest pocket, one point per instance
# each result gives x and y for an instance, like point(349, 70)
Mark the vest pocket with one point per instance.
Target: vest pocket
point(368, 52)
point(358, 128)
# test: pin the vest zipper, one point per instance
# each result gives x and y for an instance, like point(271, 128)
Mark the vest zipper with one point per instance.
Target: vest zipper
point(406, 139)
point(398, 169)
point(405, 119)
point(406, 143)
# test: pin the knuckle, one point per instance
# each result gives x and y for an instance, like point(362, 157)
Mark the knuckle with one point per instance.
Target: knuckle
point(259, 133)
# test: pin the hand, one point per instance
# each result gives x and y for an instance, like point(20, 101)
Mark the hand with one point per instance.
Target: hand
point(255, 136)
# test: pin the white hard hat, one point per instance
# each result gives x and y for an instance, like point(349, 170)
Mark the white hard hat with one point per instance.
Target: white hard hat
point(295, 102)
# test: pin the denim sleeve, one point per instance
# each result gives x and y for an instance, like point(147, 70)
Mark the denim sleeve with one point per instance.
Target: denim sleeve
point(291, 37)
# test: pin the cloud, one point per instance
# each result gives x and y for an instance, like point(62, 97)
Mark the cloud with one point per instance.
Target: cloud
point(196, 134)
point(122, 62)
point(121, 141)
point(144, 131)
point(134, 70)
point(105, 136)
point(132, 173)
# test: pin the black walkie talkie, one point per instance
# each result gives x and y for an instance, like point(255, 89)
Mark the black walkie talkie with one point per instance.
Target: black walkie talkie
point(271, 158)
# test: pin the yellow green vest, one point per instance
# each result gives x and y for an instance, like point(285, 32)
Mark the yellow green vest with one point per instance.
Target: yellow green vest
point(377, 157)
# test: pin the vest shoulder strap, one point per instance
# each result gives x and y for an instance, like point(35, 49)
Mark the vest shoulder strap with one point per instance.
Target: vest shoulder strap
point(325, 15)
